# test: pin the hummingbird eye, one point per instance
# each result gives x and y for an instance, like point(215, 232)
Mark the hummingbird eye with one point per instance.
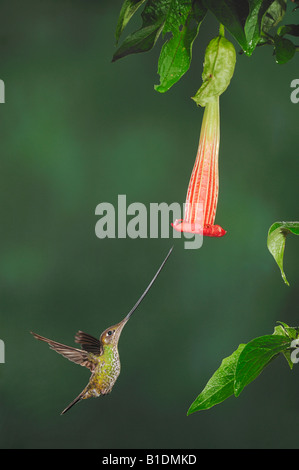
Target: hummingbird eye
point(109, 333)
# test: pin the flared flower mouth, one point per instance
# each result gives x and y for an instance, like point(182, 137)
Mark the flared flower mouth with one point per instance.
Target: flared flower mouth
point(202, 194)
point(181, 225)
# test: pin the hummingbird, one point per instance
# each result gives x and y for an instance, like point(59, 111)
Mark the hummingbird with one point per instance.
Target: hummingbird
point(99, 355)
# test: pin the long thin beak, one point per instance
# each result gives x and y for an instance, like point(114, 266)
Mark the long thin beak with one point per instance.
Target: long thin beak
point(124, 321)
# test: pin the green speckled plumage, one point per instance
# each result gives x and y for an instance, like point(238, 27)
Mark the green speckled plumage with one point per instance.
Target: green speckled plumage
point(105, 374)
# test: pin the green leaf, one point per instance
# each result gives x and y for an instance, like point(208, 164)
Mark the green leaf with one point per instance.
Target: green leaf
point(180, 19)
point(219, 66)
point(274, 15)
point(292, 29)
point(141, 41)
point(220, 386)
point(245, 364)
point(288, 332)
point(257, 9)
point(127, 11)
point(255, 356)
point(232, 15)
point(276, 241)
point(284, 49)
point(153, 16)
point(183, 22)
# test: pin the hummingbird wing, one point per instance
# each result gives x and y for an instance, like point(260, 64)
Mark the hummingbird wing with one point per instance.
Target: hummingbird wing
point(78, 356)
point(89, 343)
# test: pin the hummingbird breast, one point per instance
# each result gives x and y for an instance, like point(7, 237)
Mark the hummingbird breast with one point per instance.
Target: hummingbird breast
point(105, 374)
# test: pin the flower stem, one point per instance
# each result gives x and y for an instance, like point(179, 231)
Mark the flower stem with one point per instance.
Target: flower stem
point(221, 30)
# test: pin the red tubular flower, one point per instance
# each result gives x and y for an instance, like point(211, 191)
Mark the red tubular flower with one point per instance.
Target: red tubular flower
point(202, 194)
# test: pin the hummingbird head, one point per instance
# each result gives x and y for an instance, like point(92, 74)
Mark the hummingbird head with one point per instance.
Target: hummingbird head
point(111, 336)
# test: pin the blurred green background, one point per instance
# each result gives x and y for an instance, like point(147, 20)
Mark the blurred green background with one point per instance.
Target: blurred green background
point(77, 130)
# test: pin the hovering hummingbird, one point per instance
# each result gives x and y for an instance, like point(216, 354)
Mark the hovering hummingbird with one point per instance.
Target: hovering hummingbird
point(99, 355)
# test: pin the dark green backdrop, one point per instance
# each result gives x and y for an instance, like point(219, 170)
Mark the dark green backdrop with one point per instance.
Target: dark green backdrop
point(77, 130)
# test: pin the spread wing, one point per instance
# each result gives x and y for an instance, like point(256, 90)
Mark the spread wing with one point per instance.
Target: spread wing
point(89, 343)
point(79, 356)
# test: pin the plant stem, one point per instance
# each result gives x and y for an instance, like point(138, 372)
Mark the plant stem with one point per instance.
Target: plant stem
point(221, 30)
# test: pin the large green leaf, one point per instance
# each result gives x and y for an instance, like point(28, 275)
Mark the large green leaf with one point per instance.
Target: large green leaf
point(244, 365)
point(220, 386)
point(141, 41)
point(276, 241)
point(153, 16)
point(180, 19)
point(274, 15)
point(255, 356)
point(127, 11)
point(183, 22)
point(232, 15)
point(257, 9)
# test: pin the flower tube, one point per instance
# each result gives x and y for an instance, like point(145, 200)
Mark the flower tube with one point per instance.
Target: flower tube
point(202, 194)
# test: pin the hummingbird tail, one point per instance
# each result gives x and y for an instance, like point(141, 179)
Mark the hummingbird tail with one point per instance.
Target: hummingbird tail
point(79, 398)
